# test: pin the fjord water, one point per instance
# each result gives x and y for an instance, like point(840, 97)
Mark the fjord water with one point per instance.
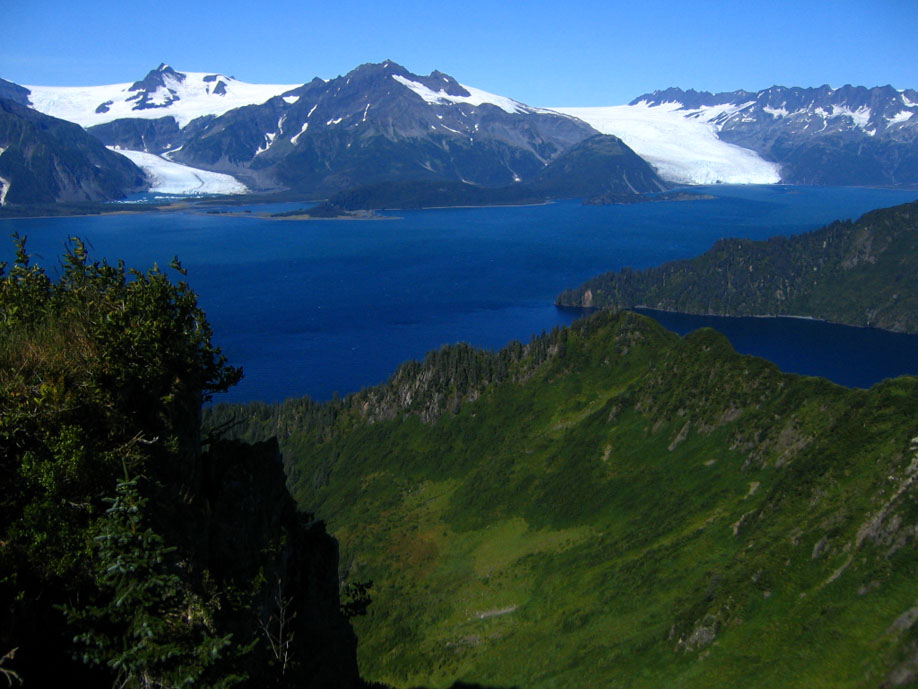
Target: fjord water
point(315, 307)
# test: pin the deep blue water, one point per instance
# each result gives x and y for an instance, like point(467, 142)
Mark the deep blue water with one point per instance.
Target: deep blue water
point(313, 307)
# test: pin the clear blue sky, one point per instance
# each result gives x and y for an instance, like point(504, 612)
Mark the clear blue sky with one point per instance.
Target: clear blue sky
point(573, 52)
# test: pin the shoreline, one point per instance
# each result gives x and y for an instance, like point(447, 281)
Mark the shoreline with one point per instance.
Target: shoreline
point(814, 319)
point(650, 310)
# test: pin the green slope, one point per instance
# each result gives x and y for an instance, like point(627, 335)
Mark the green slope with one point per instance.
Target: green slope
point(614, 506)
point(861, 273)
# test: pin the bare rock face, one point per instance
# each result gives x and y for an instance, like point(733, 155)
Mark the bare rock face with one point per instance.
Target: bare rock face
point(46, 160)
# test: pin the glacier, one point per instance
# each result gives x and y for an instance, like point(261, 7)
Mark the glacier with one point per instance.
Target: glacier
point(681, 145)
point(168, 177)
point(194, 98)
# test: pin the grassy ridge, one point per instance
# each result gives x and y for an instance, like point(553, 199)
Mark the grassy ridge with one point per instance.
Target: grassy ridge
point(862, 273)
point(634, 510)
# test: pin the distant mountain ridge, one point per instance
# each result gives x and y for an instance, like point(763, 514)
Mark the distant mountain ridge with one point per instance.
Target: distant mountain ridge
point(47, 160)
point(597, 169)
point(163, 92)
point(381, 123)
point(849, 135)
point(377, 123)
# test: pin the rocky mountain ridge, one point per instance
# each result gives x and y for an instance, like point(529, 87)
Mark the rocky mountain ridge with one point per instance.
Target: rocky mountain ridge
point(849, 135)
point(377, 123)
point(47, 160)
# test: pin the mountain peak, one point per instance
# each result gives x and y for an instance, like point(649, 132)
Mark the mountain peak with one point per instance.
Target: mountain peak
point(156, 78)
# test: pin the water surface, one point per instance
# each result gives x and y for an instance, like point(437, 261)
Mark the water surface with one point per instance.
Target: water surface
point(318, 306)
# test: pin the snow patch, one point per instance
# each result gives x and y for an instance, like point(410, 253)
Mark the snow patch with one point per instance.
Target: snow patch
point(269, 140)
point(335, 121)
point(290, 100)
point(365, 111)
point(312, 110)
point(296, 137)
point(777, 113)
point(4, 189)
point(168, 177)
point(899, 117)
point(907, 103)
point(861, 116)
point(3, 149)
point(190, 98)
point(682, 145)
point(476, 97)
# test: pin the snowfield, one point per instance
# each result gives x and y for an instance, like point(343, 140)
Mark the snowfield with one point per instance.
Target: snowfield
point(172, 178)
point(476, 96)
point(193, 97)
point(682, 145)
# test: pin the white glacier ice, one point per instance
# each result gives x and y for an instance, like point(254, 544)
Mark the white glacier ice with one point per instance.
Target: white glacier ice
point(682, 145)
point(168, 177)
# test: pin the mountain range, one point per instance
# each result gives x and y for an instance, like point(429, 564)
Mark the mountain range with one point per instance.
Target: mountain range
point(381, 124)
point(817, 136)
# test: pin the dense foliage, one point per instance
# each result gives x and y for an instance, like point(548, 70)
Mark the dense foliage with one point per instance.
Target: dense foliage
point(131, 548)
point(861, 273)
point(630, 509)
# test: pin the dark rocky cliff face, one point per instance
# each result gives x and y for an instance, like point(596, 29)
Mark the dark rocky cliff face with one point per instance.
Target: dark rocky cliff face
point(47, 160)
point(247, 528)
point(14, 92)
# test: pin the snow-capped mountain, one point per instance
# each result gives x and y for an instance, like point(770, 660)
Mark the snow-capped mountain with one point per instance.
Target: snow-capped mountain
point(850, 135)
point(381, 123)
point(378, 122)
point(184, 96)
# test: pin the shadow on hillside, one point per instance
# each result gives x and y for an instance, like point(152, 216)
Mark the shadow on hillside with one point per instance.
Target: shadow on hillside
point(457, 685)
point(466, 685)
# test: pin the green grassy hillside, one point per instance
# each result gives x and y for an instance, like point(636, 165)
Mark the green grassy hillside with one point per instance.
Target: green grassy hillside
point(615, 506)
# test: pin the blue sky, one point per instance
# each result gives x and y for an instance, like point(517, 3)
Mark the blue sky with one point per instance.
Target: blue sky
point(573, 53)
